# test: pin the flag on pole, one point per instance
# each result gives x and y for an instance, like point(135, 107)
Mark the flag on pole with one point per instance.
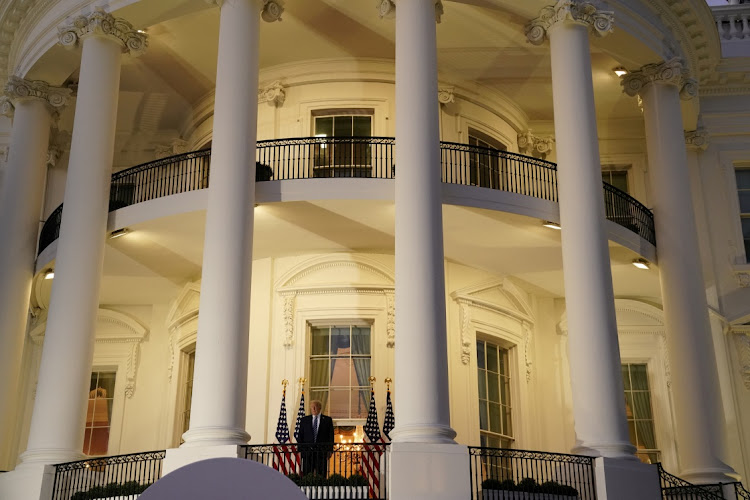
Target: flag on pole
point(300, 414)
point(284, 456)
point(390, 419)
point(372, 448)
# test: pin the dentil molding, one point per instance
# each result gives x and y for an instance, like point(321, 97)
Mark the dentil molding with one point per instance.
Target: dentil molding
point(101, 23)
point(600, 22)
point(672, 72)
point(18, 89)
point(697, 140)
point(532, 145)
point(387, 9)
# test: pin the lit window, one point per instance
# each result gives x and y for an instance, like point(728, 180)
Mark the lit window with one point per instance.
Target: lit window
point(340, 370)
point(187, 393)
point(639, 414)
point(99, 413)
point(493, 375)
point(743, 194)
point(349, 157)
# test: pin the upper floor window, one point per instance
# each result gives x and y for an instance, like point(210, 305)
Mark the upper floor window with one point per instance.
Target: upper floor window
point(484, 164)
point(639, 414)
point(99, 413)
point(616, 176)
point(339, 369)
point(743, 194)
point(343, 158)
point(493, 376)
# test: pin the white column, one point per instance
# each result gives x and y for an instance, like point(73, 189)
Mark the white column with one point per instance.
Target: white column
point(421, 358)
point(20, 200)
point(596, 379)
point(695, 383)
point(217, 415)
point(56, 433)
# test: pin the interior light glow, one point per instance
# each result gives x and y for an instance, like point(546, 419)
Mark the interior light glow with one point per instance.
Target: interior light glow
point(551, 225)
point(49, 274)
point(641, 264)
point(119, 232)
point(620, 71)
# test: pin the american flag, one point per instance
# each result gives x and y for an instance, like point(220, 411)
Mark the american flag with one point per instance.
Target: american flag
point(390, 419)
point(373, 449)
point(284, 456)
point(300, 415)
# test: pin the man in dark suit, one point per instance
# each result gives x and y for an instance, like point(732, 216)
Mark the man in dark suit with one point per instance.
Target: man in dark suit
point(316, 440)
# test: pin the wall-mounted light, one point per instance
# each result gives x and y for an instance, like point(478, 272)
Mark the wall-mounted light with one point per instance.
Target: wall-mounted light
point(642, 264)
point(620, 71)
point(551, 225)
point(119, 232)
point(49, 274)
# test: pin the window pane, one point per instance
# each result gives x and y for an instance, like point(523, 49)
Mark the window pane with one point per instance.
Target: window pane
point(340, 340)
point(626, 376)
point(641, 405)
point(107, 382)
point(319, 342)
point(324, 126)
point(629, 405)
point(94, 380)
point(338, 404)
point(746, 227)
point(319, 372)
point(493, 388)
point(639, 377)
point(507, 424)
point(631, 431)
point(645, 430)
point(744, 197)
point(482, 382)
point(492, 359)
point(362, 126)
point(360, 398)
point(480, 354)
point(505, 392)
point(495, 418)
point(361, 340)
point(322, 396)
point(483, 421)
point(341, 372)
point(342, 126)
point(743, 178)
point(361, 375)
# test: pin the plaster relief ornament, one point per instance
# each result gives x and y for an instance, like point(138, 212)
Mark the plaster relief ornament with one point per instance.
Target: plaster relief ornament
point(274, 94)
point(272, 10)
point(17, 89)
point(532, 145)
point(600, 22)
point(445, 95)
point(103, 24)
point(387, 9)
point(697, 140)
point(6, 107)
point(671, 72)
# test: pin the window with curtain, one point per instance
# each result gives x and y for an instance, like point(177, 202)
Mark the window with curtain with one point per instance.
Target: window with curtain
point(742, 175)
point(345, 158)
point(485, 167)
point(99, 413)
point(187, 389)
point(639, 413)
point(339, 369)
point(493, 376)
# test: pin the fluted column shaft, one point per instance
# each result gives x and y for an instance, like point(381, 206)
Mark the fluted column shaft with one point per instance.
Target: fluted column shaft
point(596, 379)
point(695, 383)
point(421, 364)
point(219, 392)
point(20, 203)
point(57, 424)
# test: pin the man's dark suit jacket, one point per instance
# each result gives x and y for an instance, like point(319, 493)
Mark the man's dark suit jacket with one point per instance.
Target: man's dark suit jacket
point(325, 430)
point(315, 452)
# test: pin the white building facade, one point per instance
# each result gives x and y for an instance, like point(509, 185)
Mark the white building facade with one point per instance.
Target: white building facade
point(200, 200)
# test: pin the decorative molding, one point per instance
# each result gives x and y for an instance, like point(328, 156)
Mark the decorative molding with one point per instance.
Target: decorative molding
point(743, 279)
point(182, 322)
point(600, 22)
point(672, 72)
point(387, 9)
point(742, 341)
point(532, 145)
point(288, 281)
point(4, 152)
point(665, 359)
point(101, 23)
point(274, 94)
point(289, 299)
point(697, 140)
point(446, 95)
point(527, 338)
point(6, 107)
point(272, 10)
point(17, 89)
point(390, 300)
point(464, 315)
point(439, 11)
point(176, 147)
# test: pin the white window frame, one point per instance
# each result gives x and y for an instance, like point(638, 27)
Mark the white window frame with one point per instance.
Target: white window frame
point(511, 369)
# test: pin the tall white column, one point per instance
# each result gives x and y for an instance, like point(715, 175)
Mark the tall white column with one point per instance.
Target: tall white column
point(596, 379)
point(421, 357)
point(57, 428)
point(217, 415)
point(695, 383)
point(23, 188)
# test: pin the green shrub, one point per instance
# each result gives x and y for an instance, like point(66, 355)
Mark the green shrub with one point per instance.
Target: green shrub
point(496, 484)
point(358, 480)
point(337, 480)
point(111, 490)
point(295, 478)
point(312, 480)
point(558, 489)
point(528, 484)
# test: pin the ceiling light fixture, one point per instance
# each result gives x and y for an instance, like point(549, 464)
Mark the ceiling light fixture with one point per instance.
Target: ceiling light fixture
point(118, 232)
point(620, 71)
point(49, 274)
point(642, 264)
point(551, 225)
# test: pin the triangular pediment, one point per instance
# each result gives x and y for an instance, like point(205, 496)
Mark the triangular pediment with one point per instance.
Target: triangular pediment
point(499, 293)
point(337, 271)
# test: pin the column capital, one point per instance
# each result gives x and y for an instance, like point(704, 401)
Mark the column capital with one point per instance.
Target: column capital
point(599, 22)
point(533, 145)
point(696, 140)
point(446, 95)
point(18, 89)
point(101, 23)
point(6, 106)
point(387, 8)
point(672, 72)
point(271, 11)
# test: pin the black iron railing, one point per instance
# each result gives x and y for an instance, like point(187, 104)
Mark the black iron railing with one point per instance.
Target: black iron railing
point(122, 476)
point(741, 492)
point(352, 470)
point(498, 473)
point(675, 488)
point(363, 157)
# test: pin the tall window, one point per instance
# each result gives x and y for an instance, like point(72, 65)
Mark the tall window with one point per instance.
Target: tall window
point(495, 423)
point(340, 369)
point(188, 392)
point(348, 157)
point(743, 193)
point(616, 176)
point(99, 413)
point(639, 414)
point(484, 164)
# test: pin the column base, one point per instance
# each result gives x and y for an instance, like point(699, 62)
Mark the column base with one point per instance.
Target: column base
point(180, 457)
point(215, 436)
point(436, 434)
point(29, 482)
point(710, 475)
point(625, 479)
point(49, 456)
point(623, 450)
point(422, 471)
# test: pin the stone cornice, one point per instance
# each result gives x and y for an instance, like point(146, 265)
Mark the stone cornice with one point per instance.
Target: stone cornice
point(672, 72)
point(600, 22)
point(100, 23)
point(697, 140)
point(17, 89)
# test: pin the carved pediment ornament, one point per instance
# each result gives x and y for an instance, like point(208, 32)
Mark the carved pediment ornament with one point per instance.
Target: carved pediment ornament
point(697, 140)
point(102, 23)
point(387, 9)
point(600, 22)
point(672, 72)
point(532, 145)
point(19, 89)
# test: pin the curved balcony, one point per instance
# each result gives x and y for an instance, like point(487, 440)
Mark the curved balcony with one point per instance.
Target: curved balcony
point(358, 157)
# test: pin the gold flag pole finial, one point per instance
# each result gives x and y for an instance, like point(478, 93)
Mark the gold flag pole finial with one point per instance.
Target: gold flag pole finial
point(372, 383)
point(302, 381)
point(284, 382)
point(388, 382)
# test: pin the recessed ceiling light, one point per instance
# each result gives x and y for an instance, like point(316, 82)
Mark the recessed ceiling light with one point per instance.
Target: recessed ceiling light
point(641, 264)
point(49, 274)
point(620, 71)
point(551, 225)
point(119, 232)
